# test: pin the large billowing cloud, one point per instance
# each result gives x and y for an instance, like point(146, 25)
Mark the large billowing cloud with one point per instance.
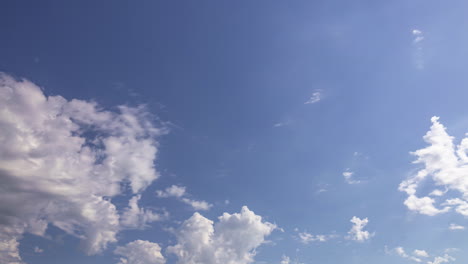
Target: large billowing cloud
point(61, 161)
point(446, 164)
point(233, 239)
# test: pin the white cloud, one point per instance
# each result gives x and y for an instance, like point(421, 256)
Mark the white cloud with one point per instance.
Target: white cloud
point(172, 191)
point(446, 164)
point(61, 162)
point(348, 176)
point(417, 256)
point(233, 239)
point(438, 260)
point(306, 238)
point(179, 192)
point(135, 217)
point(420, 253)
point(456, 227)
point(140, 252)
point(418, 56)
point(315, 98)
point(285, 260)
point(357, 232)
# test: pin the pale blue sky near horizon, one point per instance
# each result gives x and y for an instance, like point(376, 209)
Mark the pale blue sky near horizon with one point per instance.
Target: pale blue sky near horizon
point(232, 79)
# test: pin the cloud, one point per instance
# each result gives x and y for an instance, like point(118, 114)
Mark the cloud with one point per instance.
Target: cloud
point(135, 217)
point(445, 164)
point(456, 227)
point(357, 232)
point(306, 238)
point(140, 252)
point(62, 161)
point(417, 254)
point(179, 192)
point(348, 176)
point(418, 56)
point(420, 253)
point(285, 260)
point(172, 191)
point(437, 260)
point(315, 98)
point(233, 239)
point(38, 250)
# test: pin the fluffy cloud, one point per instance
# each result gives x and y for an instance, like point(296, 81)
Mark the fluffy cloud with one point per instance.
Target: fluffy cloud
point(357, 232)
point(61, 161)
point(179, 192)
point(446, 165)
point(438, 260)
point(140, 252)
point(417, 254)
point(233, 239)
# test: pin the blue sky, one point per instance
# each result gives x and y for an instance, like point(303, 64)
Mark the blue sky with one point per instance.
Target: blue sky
point(136, 132)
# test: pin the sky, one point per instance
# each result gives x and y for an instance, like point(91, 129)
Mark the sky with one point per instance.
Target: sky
point(233, 132)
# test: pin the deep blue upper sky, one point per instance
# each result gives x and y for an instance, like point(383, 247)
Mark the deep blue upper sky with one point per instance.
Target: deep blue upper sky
point(231, 78)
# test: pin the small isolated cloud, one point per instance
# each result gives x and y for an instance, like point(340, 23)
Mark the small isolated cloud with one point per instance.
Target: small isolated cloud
point(180, 193)
point(446, 165)
point(38, 250)
point(348, 176)
point(233, 239)
point(316, 97)
point(418, 56)
point(357, 232)
point(456, 227)
point(306, 238)
point(140, 252)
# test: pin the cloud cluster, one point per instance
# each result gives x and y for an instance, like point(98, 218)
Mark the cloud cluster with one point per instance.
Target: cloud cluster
point(348, 176)
point(233, 239)
point(419, 256)
point(61, 161)
point(140, 252)
point(180, 193)
point(446, 164)
point(357, 232)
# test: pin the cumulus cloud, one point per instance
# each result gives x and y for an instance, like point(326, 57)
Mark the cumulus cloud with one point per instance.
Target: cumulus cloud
point(315, 98)
point(417, 254)
point(180, 193)
point(233, 239)
point(420, 253)
point(445, 164)
point(357, 232)
point(61, 162)
point(140, 252)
